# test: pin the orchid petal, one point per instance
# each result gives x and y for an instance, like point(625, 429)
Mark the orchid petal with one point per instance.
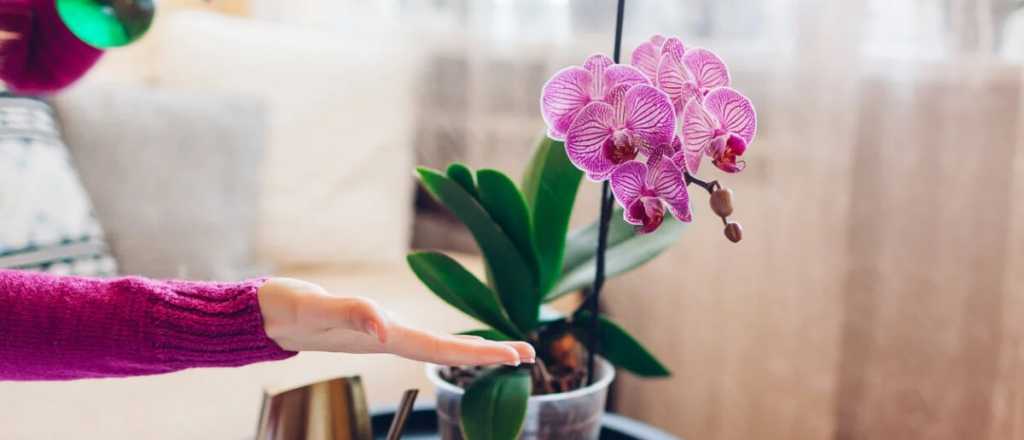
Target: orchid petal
point(627, 184)
point(676, 145)
point(684, 159)
point(669, 149)
point(652, 210)
point(679, 159)
point(698, 127)
point(634, 212)
point(616, 98)
point(726, 159)
point(657, 40)
point(716, 147)
point(597, 64)
point(732, 168)
point(675, 80)
point(621, 74)
point(734, 111)
point(655, 158)
point(562, 97)
point(645, 58)
point(707, 69)
point(673, 46)
point(736, 144)
point(688, 160)
point(586, 137)
point(650, 116)
point(667, 182)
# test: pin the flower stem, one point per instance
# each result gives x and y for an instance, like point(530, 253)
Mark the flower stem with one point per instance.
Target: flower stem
point(620, 12)
point(710, 187)
point(593, 302)
point(602, 238)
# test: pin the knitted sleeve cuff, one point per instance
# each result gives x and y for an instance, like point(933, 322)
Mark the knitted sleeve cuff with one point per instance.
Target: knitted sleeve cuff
point(201, 324)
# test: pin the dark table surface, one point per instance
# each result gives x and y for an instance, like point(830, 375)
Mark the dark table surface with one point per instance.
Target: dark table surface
point(423, 426)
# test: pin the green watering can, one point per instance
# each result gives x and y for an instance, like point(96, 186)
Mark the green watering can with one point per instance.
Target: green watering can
point(107, 23)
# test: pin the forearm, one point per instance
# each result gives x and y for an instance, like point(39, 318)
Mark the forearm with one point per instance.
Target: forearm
point(55, 328)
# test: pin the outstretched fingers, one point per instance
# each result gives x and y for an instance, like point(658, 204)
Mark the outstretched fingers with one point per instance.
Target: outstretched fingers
point(456, 350)
point(374, 332)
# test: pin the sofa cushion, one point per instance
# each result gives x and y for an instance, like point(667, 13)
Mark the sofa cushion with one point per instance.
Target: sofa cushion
point(337, 185)
point(174, 176)
point(46, 220)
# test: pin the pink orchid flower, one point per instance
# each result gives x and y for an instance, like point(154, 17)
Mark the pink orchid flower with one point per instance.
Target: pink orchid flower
point(690, 73)
point(644, 190)
point(607, 134)
point(572, 88)
point(721, 127)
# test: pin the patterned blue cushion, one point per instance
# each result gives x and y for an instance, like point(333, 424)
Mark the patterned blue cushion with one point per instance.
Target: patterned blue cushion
point(46, 219)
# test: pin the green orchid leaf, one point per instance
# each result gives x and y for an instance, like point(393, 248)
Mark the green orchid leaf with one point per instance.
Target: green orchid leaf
point(494, 405)
point(457, 286)
point(550, 187)
point(582, 243)
point(534, 169)
point(514, 281)
point(621, 349)
point(626, 252)
point(487, 333)
point(505, 203)
point(463, 176)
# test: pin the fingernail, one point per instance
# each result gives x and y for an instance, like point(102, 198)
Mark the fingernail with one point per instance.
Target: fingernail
point(531, 360)
point(512, 364)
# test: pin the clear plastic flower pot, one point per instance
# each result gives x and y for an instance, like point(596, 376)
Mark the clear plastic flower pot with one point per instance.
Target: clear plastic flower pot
point(575, 415)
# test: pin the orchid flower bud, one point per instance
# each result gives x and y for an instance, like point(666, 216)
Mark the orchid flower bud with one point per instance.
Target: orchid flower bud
point(721, 202)
point(734, 232)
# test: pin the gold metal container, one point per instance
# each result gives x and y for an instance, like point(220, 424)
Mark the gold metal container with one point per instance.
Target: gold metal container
point(330, 410)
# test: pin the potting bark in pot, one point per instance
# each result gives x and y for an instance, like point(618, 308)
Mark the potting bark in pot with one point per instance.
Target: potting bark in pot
point(642, 131)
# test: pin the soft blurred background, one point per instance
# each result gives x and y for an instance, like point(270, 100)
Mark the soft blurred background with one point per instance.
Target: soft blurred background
point(877, 293)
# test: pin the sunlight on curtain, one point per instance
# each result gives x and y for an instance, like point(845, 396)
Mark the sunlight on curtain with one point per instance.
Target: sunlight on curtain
point(932, 30)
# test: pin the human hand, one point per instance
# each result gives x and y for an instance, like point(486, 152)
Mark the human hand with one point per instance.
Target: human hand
point(302, 316)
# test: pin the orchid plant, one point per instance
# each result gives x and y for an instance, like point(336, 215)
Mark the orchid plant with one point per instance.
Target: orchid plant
point(642, 129)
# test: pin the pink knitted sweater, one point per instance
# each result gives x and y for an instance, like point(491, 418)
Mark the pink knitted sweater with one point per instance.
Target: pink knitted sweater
point(59, 328)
